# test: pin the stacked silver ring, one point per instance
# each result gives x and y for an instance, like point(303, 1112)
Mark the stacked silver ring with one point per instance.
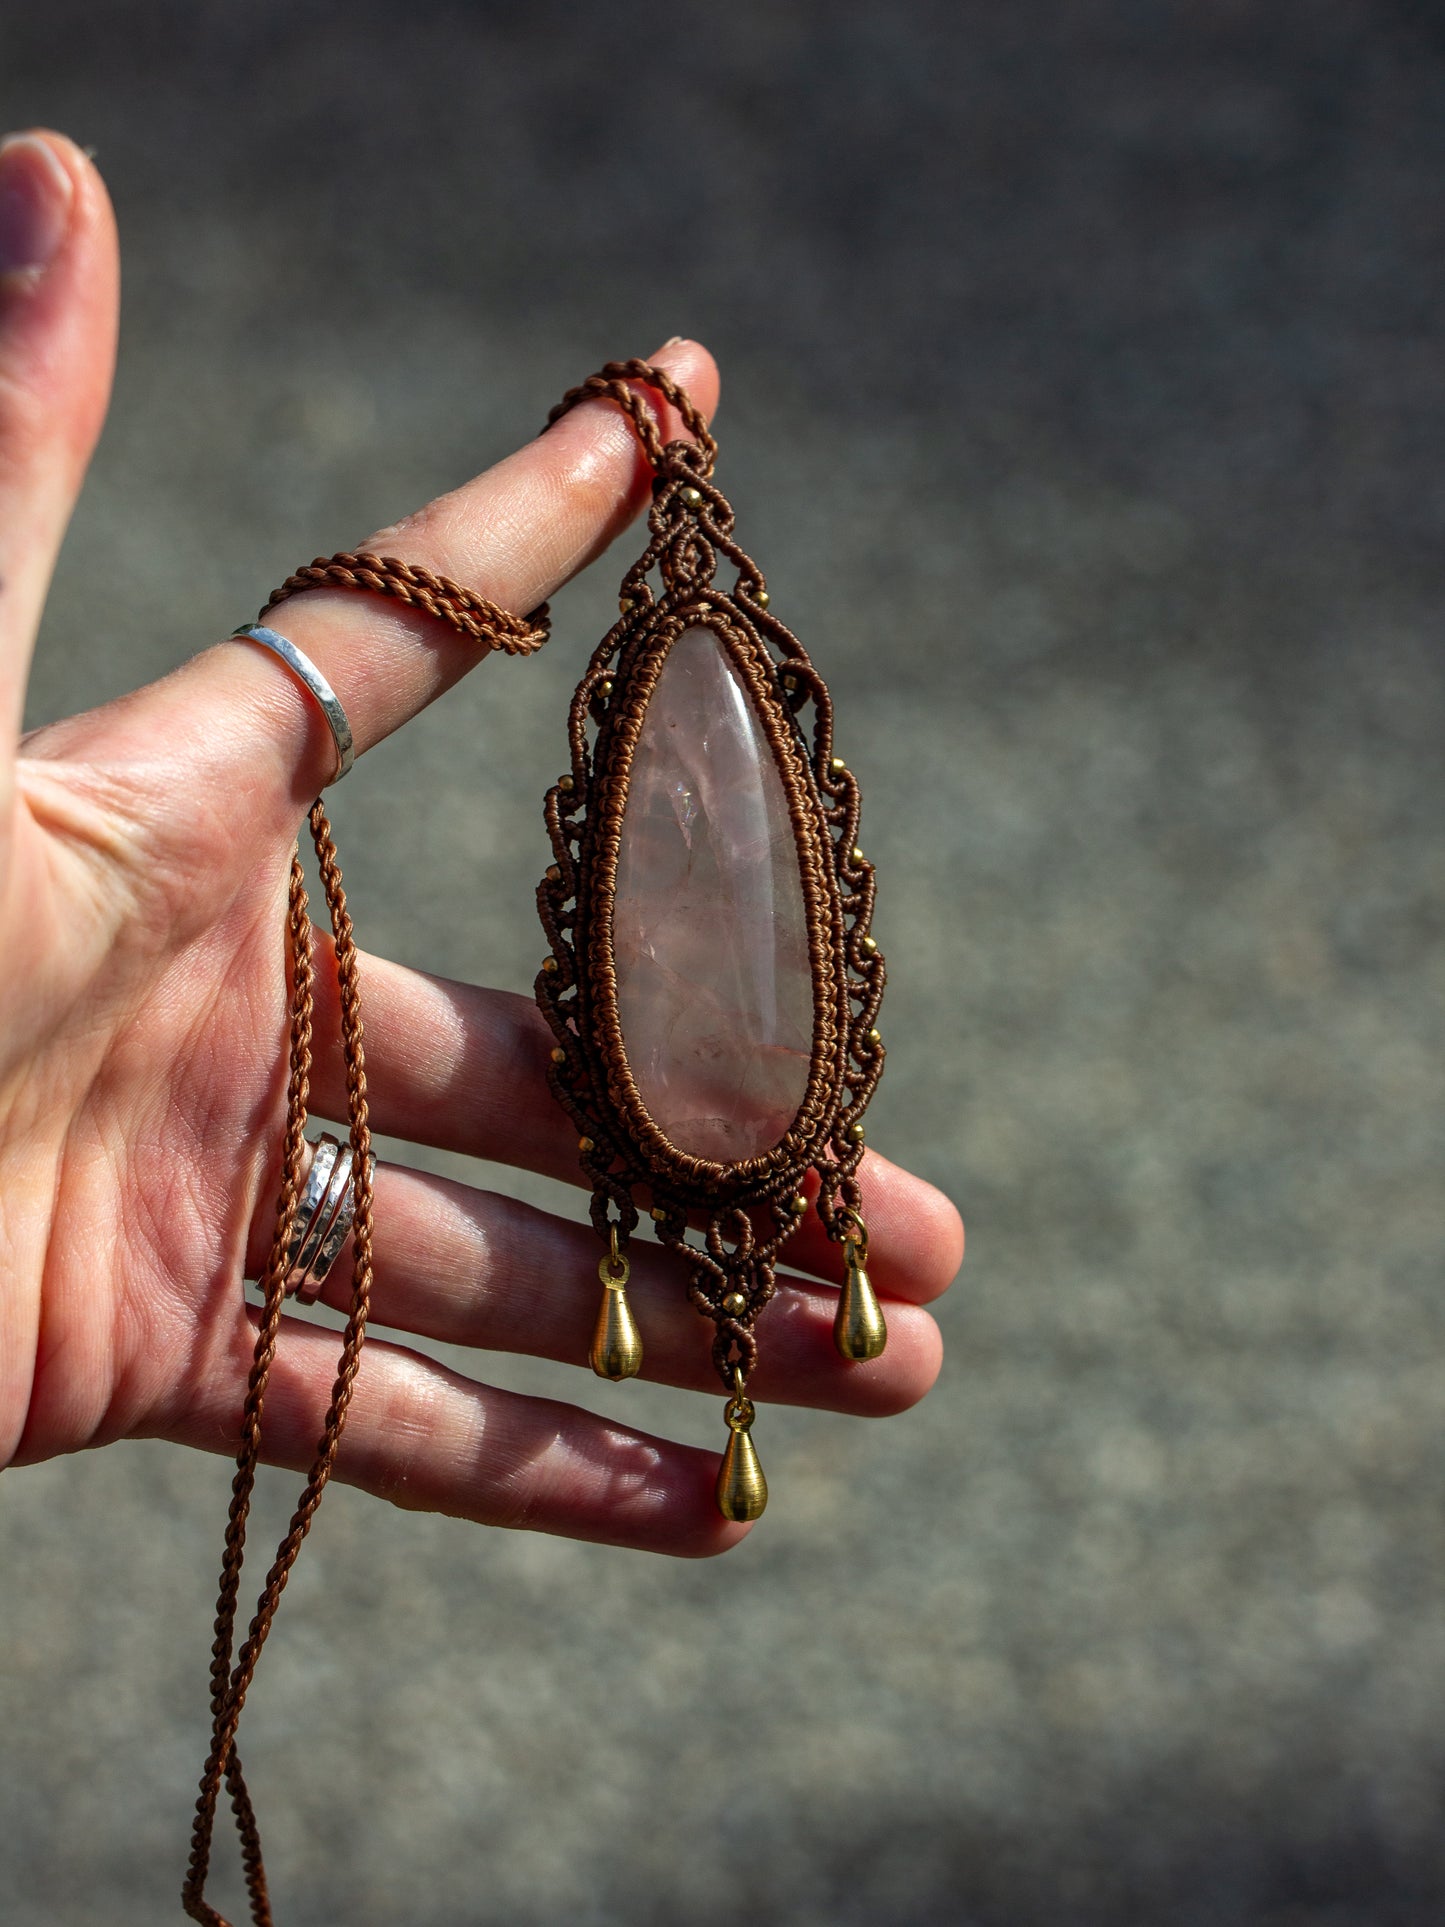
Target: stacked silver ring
point(324, 1214)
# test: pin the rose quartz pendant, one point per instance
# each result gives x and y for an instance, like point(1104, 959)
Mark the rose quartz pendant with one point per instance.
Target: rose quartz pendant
point(713, 985)
point(710, 937)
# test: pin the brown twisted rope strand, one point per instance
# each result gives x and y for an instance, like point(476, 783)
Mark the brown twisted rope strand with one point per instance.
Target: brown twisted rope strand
point(217, 1762)
point(474, 616)
point(230, 1684)
point(435, 595)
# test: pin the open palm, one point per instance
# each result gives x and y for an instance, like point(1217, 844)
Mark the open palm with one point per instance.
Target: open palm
point(144, 855)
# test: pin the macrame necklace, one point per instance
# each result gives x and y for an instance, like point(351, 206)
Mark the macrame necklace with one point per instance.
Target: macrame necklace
point(713, 986)
point(712, 989)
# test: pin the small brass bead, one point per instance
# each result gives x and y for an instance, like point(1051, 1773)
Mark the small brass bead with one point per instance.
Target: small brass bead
point(565, 783)
point(855, 1133)
point(559, 1056)
point(657, 1214)
point(790, 683)
point(797, 1204)
point(836, 765)
point(549, 964)
point(875, 1037)
point(692, 496)
point(734, 1304)
point(870, 944)
point(554, 875)
point(604, 688)
point(585, 1144)
point(857, 854)
point(762, 598)
point(624, 603)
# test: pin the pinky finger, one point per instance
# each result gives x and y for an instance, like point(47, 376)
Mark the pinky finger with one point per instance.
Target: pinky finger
point(431, 1440)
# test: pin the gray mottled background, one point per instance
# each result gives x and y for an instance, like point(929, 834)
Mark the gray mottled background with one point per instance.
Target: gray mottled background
point(1084, 399)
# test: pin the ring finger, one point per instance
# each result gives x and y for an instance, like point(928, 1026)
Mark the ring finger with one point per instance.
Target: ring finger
point(469, 1267)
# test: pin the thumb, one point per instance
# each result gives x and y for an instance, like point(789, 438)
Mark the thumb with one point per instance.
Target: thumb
point(59, 294)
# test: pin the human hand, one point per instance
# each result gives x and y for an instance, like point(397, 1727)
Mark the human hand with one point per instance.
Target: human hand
point(144, 857)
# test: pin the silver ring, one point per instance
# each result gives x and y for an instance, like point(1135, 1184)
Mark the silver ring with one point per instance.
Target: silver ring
point(325, 1212)
point(313, 1192)
point(313, 682)
point(327, 1196)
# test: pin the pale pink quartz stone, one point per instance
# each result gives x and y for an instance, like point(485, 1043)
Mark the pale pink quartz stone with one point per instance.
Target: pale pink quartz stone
point(714, 989)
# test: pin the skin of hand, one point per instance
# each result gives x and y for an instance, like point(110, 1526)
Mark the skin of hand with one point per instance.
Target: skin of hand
point(144, 851)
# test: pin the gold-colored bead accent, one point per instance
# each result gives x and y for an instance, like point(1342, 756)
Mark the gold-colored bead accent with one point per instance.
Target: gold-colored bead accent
point(604, 688)
point(565, 783)
point(585, 1144)
point(836, 765)
point(624, 603)
point(875, 1037)
point(559, 1056)
point(762, 598)
point(549, 964)
point(855, 1133)
point(790, 683)
point(734, 1304)
point(657, 1214)
point(554, 875)
point(692, 496)
point(870, 944)
point(797, 1204)
point(857, 854)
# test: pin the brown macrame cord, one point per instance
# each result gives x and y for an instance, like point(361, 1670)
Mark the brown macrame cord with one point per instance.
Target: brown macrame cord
point(435, 595)
point(230, 1682)
point(691, 525)
point(473, 616)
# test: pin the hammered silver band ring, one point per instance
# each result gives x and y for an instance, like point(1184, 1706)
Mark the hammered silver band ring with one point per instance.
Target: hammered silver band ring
point(313, 682)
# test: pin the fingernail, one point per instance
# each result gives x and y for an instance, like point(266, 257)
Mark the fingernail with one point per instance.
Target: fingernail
point(35, 197)
point(673, 341)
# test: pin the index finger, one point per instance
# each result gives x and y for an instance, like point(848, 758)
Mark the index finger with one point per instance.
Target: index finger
point(514, 534)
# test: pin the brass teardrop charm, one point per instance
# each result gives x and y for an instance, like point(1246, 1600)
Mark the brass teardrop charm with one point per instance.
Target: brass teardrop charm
point(616, 1343)
point(742, 1491)
point(859, 1330)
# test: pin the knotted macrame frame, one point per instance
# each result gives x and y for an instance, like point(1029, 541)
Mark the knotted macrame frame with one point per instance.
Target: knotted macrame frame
point(747, 1210)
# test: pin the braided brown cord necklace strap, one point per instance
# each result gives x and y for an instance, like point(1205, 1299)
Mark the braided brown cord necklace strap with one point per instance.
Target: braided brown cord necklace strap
point(435, 595)
point(466, 611)
point(474, 616)
point(230, 1683)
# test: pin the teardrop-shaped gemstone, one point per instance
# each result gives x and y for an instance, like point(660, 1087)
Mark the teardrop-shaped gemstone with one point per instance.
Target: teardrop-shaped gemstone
point(710, 935)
